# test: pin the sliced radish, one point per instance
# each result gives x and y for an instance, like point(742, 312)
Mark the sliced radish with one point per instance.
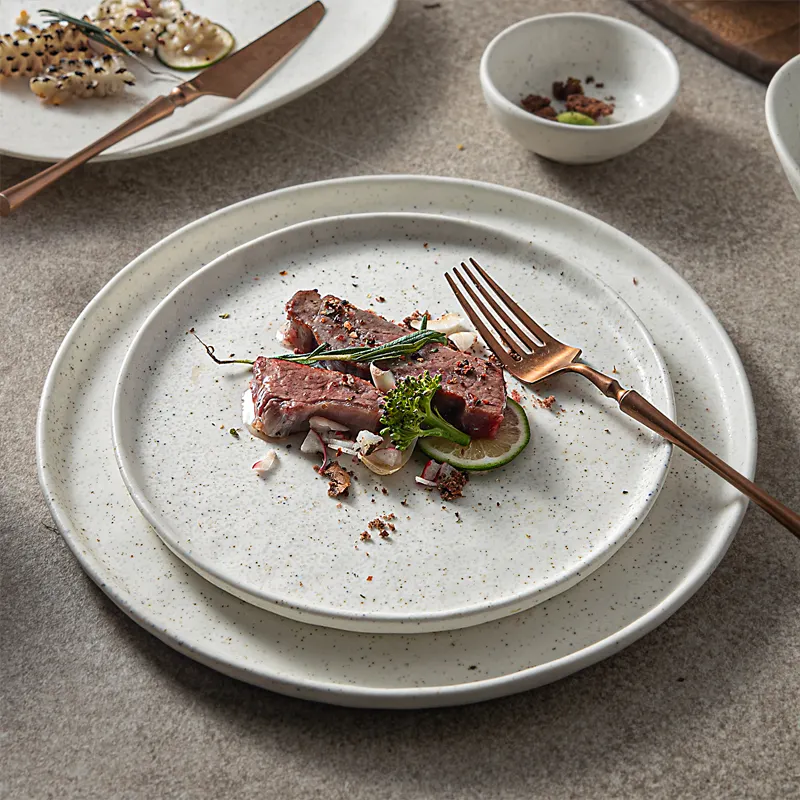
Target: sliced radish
point(431, 470)
point(265, 463)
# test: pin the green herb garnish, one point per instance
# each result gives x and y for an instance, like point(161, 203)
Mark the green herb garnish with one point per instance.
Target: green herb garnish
point(408, 414)
point(404, 346)
point(233, 432)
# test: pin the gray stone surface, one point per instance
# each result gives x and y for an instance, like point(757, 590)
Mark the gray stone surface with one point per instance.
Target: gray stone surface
point(708, 705)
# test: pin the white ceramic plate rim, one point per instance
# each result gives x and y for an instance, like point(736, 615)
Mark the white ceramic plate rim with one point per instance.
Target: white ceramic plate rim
point(694, 577)
point(598, 130)
point(405, 623)
point(223, 122)
point(791, 166)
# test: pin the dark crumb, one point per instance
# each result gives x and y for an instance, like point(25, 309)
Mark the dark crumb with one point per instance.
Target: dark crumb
point(425, 244)
point(535, 102)
point(404, 502)
point(561, 91)
point(283, 272)
point(384, 490)
point(339, 485)
point(600, 85)
point(380, 299)
point(590, 106)
point(546, 113)
point(607, 430)
point(376, 524)
point(610, 98)
point(472, 666)
point(452, 485)
point(365, 537)
point(384, 534)
point(589, 80)
point(430, 6)
point(369, 577)
point(624, 491)
point(635, 282)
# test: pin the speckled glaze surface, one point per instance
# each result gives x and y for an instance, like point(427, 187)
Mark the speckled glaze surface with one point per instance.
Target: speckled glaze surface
point(638, 71)
point(520, 534)
point(782, 107)
point(30, 129)
point(649, 578)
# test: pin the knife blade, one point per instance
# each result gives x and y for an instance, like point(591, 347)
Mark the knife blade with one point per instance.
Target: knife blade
point(235, 74)
point(230, 78)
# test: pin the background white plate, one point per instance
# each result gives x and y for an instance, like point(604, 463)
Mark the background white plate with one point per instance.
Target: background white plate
point(30, 129)
point(648, 579)
point(524, 532)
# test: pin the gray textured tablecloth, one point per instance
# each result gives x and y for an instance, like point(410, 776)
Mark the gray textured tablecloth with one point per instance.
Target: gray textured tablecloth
point(708, 705)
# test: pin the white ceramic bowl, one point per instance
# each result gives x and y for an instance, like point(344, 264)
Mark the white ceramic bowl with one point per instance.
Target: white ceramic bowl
point(783, 119)
point(636, 68)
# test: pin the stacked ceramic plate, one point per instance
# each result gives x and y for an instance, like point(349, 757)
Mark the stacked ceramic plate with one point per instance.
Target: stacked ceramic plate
point(579, 546)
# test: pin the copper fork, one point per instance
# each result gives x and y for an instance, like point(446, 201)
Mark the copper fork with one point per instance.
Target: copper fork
point(531, 354)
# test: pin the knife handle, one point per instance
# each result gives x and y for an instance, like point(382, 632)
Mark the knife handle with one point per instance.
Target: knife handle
point(159, 108)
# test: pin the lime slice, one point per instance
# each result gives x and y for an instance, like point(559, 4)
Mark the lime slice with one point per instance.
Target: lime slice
point(481, 454)
point(200, 59)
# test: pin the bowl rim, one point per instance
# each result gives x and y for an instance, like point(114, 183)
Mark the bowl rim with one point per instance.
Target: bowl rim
point(790, 164)
point(499, 98)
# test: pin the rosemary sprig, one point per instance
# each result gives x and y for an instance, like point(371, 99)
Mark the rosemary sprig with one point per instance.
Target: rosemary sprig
point(97, 34)
point(404, 346)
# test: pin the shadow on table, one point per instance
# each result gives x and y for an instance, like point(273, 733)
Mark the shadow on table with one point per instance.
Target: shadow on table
point(690, 182)
point(671, 686)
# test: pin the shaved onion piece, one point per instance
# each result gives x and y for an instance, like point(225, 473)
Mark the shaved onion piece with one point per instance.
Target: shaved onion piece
point(446, 324)
point(367, 442)
point(282, 334)
point(463, 340)
point(388, 460)
point(424, 482)
point(323, 424)
point(266, 463)
point(345, 445)
point(382, 378)
point(249, 412)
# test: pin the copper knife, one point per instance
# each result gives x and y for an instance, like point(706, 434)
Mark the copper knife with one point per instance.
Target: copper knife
point(231, 78)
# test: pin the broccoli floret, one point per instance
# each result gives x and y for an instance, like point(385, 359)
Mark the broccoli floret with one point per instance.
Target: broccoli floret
point(408, 415)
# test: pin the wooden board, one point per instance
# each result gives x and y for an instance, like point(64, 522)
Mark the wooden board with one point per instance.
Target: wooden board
point(755, 36)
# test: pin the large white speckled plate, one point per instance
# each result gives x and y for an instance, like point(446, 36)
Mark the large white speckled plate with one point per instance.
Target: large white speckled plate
point(30, 129)
point(649, 578)
point(523, 532)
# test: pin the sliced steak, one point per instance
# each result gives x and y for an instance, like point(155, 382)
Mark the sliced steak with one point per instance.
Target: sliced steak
point(285, 395)
point(473, 393)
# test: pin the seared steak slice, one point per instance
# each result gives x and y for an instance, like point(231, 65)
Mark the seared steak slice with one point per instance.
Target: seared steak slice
point(473, 393)
point(285, 395)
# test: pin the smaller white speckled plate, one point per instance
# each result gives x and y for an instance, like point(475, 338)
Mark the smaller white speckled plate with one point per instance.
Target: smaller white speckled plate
point(523, 533)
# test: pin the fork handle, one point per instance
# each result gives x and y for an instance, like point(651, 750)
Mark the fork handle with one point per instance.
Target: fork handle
point(644, 412)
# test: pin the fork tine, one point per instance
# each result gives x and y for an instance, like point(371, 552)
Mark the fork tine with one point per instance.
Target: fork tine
point(533, 326)
point(507, 318)
point(495, 346)
point(490, 318)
